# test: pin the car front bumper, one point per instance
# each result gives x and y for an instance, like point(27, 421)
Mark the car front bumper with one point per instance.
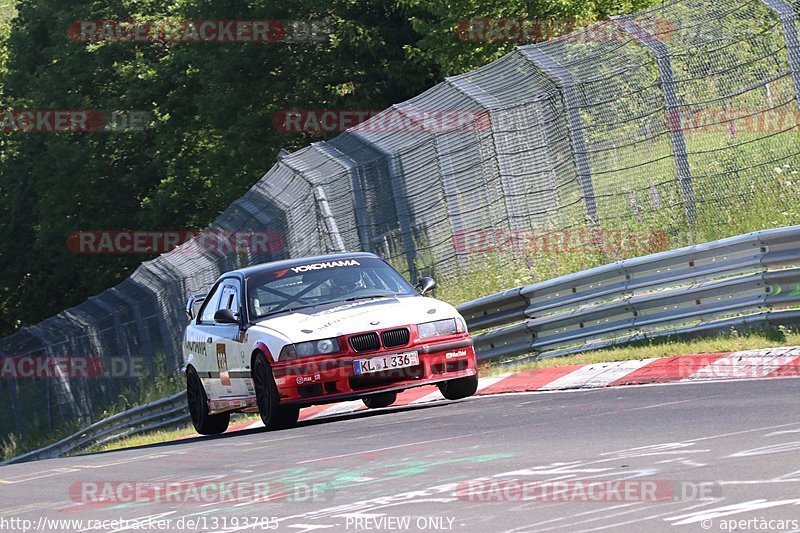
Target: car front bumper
point(333, 379)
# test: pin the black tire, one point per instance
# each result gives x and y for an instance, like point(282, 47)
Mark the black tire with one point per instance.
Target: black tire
point(455, 389)
point(273, 414)
point(203, 422)
point(383, 399)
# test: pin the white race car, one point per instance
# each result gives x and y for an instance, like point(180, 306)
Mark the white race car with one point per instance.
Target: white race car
point(280, 336)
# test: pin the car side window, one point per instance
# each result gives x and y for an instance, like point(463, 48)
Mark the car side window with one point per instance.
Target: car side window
point(230, 298)
point(211, 306)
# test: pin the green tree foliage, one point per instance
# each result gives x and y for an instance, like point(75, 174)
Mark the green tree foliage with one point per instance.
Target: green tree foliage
point(211, 108)
point(463, 35)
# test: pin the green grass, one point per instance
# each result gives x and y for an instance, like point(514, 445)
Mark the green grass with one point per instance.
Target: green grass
point(164, 435)
point(163, 383)
point(768, 203)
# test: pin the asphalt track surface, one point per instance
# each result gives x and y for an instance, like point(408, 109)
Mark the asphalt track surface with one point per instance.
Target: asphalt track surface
point(721, 455)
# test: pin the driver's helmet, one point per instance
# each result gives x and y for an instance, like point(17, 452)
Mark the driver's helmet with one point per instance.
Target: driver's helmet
point(347, 280)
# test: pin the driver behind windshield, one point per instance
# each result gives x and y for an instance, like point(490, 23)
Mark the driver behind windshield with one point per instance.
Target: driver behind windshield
point(345, 281)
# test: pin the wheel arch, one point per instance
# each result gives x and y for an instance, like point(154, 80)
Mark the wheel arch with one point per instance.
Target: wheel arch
point(260, 347)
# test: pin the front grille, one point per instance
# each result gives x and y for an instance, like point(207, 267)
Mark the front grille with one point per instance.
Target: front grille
point(366, 342)
point(395, 337)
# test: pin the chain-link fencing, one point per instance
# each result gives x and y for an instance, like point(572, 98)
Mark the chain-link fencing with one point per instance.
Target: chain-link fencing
point(670, 119)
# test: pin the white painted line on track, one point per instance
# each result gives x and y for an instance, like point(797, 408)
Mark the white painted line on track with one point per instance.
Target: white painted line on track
point(597, 375)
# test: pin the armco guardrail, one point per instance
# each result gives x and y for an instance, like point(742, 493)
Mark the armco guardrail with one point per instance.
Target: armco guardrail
point(705, 288)
point(161, 413)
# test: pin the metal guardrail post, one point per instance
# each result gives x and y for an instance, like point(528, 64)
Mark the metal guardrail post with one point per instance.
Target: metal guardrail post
point(788, 19)
point(565, 81)
point(672, 107)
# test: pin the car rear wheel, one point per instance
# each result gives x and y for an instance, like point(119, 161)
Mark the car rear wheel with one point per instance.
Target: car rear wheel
point(455, 389)
point(203, 422)
point(273, 414)
point(384, 399)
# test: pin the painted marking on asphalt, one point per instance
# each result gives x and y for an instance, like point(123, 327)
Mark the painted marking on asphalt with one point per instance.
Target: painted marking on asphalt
point(790, 370)
point(596, 376)
point(528, 380)
point(310, 412)
point(409, 395)
point(617, 525)
point(432, 397)
point(737, 508)
point(720, 435)
point(737, 365)
point(376, 450)
point(339, 408)
point(668, 369)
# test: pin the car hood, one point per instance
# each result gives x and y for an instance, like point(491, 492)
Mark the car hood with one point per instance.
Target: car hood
point(337, 319)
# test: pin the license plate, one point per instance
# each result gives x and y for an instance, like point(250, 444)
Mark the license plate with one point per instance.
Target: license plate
point(385, 362)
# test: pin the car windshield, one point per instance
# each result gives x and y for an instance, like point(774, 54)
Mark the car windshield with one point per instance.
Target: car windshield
point(308, 285)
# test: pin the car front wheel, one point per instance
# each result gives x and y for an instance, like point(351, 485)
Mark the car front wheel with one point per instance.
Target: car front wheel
point(273, 414)
point(384, 399)
point(455, 389)
point(203, 422)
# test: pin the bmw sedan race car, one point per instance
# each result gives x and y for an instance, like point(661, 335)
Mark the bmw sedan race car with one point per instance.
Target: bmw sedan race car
point(280, 336)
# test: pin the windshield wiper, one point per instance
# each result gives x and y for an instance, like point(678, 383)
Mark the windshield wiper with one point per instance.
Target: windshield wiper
point(368, 297)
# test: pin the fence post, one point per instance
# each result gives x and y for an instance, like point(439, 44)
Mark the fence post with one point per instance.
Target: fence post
point(328, 219)
point(486, 101)
point(359, 199)
point(448, 177)
point(566, 84)
point(141, 326)
point(400, 202)
point(672, 106)
point(788, 19)
point(19, 420)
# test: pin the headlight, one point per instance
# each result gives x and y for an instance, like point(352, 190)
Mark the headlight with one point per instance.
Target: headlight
point(439, 328)
point(310, 348)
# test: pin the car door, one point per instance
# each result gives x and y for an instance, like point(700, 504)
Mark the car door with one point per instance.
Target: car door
point(230, 349)
point(222, 353)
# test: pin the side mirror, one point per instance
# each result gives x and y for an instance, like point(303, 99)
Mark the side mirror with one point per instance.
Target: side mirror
point(425, 284)
point(225, 316)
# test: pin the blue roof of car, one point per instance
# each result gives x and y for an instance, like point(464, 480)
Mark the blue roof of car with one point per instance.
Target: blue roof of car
point(289, 263)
